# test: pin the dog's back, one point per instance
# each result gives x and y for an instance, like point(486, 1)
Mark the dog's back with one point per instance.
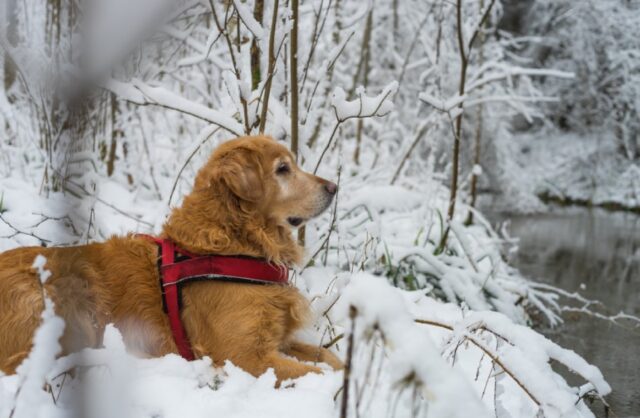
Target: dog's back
point(90, 286)
point(21, 303)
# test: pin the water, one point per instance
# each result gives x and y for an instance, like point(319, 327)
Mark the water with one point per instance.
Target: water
point(596, 253)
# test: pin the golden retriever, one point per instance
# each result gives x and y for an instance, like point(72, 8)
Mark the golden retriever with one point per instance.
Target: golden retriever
point(245, 201)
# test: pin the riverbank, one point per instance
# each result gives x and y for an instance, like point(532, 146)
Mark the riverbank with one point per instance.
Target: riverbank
point(548, 166)
point(597, 253)
point(565, 201)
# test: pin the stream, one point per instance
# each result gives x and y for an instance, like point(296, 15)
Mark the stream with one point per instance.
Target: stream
point(596, 253)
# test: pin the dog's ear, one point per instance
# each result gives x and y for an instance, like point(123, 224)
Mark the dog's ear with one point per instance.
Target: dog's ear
point(241, 172)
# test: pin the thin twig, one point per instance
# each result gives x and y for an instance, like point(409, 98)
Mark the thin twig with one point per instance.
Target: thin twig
point(347, 367)
point(340, 121)
point(415, 142)
point(464, 63)
point(485, 350)
point(236, 69)
point(333, 218)
point(17, 232)
point(316, 36)
point(333, 341)
point(483, 19)
point(195, 151)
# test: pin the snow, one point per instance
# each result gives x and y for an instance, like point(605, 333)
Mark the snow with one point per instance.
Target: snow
point(363, 106)
point(39, 264)
point(29, 400)
point(442, 105)
point(173, 387)
point(585, 169)
point(382, 198)
point(141, 93)
point(470, 353)
point(414, 355)
point(247, 19)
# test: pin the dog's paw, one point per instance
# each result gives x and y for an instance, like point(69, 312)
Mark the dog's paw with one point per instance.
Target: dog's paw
point(331, 359)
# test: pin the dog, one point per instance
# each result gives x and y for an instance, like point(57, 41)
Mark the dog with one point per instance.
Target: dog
point(246, 200)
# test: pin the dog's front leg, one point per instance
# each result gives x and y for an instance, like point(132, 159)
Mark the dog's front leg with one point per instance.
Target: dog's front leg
point(284, 368)
point(308, 352)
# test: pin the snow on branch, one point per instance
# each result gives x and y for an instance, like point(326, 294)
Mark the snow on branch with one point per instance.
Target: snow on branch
point(441, 104)
point(507, 72)
point(364, 106)
point(247, 18)
point(413, 357)
point(517, 350)
point(455, 104)
point(140, 93)
point(536, 349)
point(510, 98)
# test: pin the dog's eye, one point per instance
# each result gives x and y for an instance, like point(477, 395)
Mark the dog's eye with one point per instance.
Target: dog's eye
point(283, 168)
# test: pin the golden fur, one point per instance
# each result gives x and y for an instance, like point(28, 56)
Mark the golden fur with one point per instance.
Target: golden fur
point(244, 202)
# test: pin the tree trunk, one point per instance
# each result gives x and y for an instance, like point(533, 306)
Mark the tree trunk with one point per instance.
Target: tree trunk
point(366, 57)
point(293, 71)
point(271, 64)
point(478, 137)
point(116, 134)
point(258, 14)
point(12, 34)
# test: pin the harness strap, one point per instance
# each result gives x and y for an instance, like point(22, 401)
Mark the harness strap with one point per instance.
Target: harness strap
point(176, 272)
point(169, 279)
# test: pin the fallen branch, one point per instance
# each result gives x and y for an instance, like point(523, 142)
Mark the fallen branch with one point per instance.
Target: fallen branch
point(17, 231)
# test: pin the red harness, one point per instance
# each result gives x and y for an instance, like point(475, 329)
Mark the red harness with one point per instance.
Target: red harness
point(177, 266)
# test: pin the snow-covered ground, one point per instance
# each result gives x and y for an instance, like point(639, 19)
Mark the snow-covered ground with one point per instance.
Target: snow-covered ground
point(461, 358)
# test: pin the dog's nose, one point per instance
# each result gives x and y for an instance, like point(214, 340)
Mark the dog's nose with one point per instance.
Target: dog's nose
point(331, 187)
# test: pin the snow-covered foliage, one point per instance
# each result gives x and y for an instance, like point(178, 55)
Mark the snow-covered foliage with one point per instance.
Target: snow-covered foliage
point(412, 356)
point(595, 117)
point(429, 329)
point(596, 41)
point(575, 169)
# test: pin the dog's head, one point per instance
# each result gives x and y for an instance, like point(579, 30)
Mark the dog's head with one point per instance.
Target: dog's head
point(263, 178)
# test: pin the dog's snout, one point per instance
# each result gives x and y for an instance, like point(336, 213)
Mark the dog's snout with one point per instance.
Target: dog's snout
point(331, 187)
